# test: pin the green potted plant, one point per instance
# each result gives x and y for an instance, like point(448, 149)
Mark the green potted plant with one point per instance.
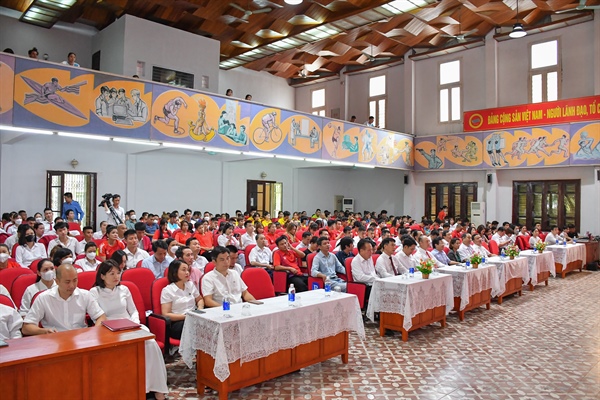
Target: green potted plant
point(425, 267)
point(512, 252)
point(476, 260)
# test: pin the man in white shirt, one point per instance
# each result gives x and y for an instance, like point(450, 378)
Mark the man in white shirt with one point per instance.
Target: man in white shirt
point(404, 258)
point(48, 220)
point(303, 245)
point(10, 323)
point(370, 122)
point(362, 267)
point(248, 237)
point(478, 248)
point(385, 265)
point(102, 232)
point(62, 230)
point(424, 254)
point(199, 261)
point(39, 230)
point(361, 233)
point(553, 236)
point(134, 253)
point(62, 307)
point(465, 251)
point(88, 235)
point(119, 211)
point(500, 238)
point(223, 281)
point(261, 255)
point(89, 262)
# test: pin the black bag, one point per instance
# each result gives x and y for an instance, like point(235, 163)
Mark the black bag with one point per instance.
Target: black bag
point(593, 266)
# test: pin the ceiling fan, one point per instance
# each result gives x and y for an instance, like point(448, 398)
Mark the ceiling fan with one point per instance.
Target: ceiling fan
point(461, 37)
point(247, 12)
point(372, 58)
point(304, 74)
point(581, 7)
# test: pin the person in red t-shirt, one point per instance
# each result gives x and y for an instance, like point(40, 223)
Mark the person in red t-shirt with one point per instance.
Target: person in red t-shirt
point(204, 236)
point(270, 235)
point(285, 258)
point(111, 244)
point(5, 260)
point(443, 213)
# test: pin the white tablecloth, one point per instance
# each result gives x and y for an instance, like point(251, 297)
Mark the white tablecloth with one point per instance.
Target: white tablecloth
point(509, 269)
point(273, 326)
point(410, 296)
point(539, 262)
point(467, 282)
point(569, 253)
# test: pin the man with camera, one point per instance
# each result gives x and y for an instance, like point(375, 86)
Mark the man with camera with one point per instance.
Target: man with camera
point(116, 213)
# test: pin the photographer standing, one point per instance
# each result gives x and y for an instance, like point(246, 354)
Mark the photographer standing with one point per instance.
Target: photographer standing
point(118, 211)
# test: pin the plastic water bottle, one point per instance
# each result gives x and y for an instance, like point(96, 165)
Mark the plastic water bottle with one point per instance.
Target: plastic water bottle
point(482, 260)
point(291, 295)
point(327, 289)
point(502, 254)
point(411, 272)
point(467, 264)
point(574, 241)
point(565, 243)
point(226, 306)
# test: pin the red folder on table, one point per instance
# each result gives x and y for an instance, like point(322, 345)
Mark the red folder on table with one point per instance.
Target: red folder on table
point(122, 324)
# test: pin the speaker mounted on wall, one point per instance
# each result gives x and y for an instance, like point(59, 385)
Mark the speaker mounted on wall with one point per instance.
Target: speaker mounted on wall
point(489, 178)
point(406, 179)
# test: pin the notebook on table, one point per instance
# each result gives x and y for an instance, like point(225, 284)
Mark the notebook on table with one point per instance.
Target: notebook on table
point(122, 324)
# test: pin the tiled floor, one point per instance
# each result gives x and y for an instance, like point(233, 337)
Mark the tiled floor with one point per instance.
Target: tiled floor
point(543, 345)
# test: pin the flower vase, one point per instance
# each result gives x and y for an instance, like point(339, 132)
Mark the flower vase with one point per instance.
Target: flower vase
point(475, 266)
point(511, 257)
point(425, 276)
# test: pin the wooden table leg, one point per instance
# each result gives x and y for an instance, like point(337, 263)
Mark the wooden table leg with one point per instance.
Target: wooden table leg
point(488, 305)
point(381, 327)
point(499, 299)
point(404, 335)
point(461, 316)
point(345, 358)
point(546, 282)
point(444, 320)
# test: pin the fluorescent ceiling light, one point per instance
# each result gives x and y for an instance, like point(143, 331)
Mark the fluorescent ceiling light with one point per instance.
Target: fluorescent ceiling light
point(83, 136)
point(347, 164)
point(256, 154)
point(25, 130)
point(364, 166)
point(135, 141)
point(182, 146)
point(317, 161)
point(293, 2)
point(214, 150)
point(518, 31)
point(289, 157)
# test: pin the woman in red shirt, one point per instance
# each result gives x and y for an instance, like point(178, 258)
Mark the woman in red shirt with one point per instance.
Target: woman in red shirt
point(271, 235)
point(162, 232)
point(443, 213)
point(111, 244)
point(184, 234)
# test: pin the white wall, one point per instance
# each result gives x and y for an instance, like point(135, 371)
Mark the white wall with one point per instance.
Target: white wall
point(264, 87)
point(111, 45)
point(577, 57)
point(372, 189)
point(57, 41)
point(334, 97)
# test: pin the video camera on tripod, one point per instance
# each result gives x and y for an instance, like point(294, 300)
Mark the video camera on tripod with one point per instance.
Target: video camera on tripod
point(106, 202)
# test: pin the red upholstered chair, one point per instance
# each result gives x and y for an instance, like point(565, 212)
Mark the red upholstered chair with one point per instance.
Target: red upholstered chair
point(357, 288)
point(523, 242)
point(447, 250)
point(160, 325)
point(309, 262)
point(543, 236)
point(3, 237)
point(20, 285)
point(355, 251)
point(318, 281)
point(484, 244)
point(8, 276)
point(47, 239)
point(74, 226)
point(258, 282)
point(7, 301)
point(494, 247)
point(139, 264)
point(247, 251)
point(209, 267)
point(143, 278)
point(86, 280)
point(280, 281)
point(13, 252)
point(375, 257)
point(138, 301)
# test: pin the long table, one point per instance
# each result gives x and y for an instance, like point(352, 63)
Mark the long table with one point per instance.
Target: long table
point(276, 339)
point(405, 304)
point(568, 258)
point(513, 274)
point(541, 266)
point(90, 363)
point(473, 287)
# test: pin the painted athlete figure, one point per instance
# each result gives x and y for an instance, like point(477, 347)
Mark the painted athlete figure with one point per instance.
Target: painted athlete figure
point(170, 110)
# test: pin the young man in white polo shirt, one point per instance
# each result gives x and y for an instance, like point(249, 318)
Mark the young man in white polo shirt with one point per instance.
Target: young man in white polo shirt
point(222, 281)
point(261, 255)
point(133, 251)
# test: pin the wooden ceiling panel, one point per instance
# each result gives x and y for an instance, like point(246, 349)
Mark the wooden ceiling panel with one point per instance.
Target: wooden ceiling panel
point(350, 32)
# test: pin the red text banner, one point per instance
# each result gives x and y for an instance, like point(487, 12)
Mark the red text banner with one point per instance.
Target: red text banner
point(531, 115)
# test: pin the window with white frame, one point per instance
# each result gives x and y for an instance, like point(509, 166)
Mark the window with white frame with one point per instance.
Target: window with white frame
point(544, 68)
point(318, 102)
point(377, 100)
point(450, 88)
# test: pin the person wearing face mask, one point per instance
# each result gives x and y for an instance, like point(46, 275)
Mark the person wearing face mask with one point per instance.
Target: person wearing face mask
point(131, 219)
point(89, 262)
point(5, 260)
point(45, 280)
point(63, 256)
point(151, 225)
point(116, 302)
point(11, 227)
point(28, 249)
